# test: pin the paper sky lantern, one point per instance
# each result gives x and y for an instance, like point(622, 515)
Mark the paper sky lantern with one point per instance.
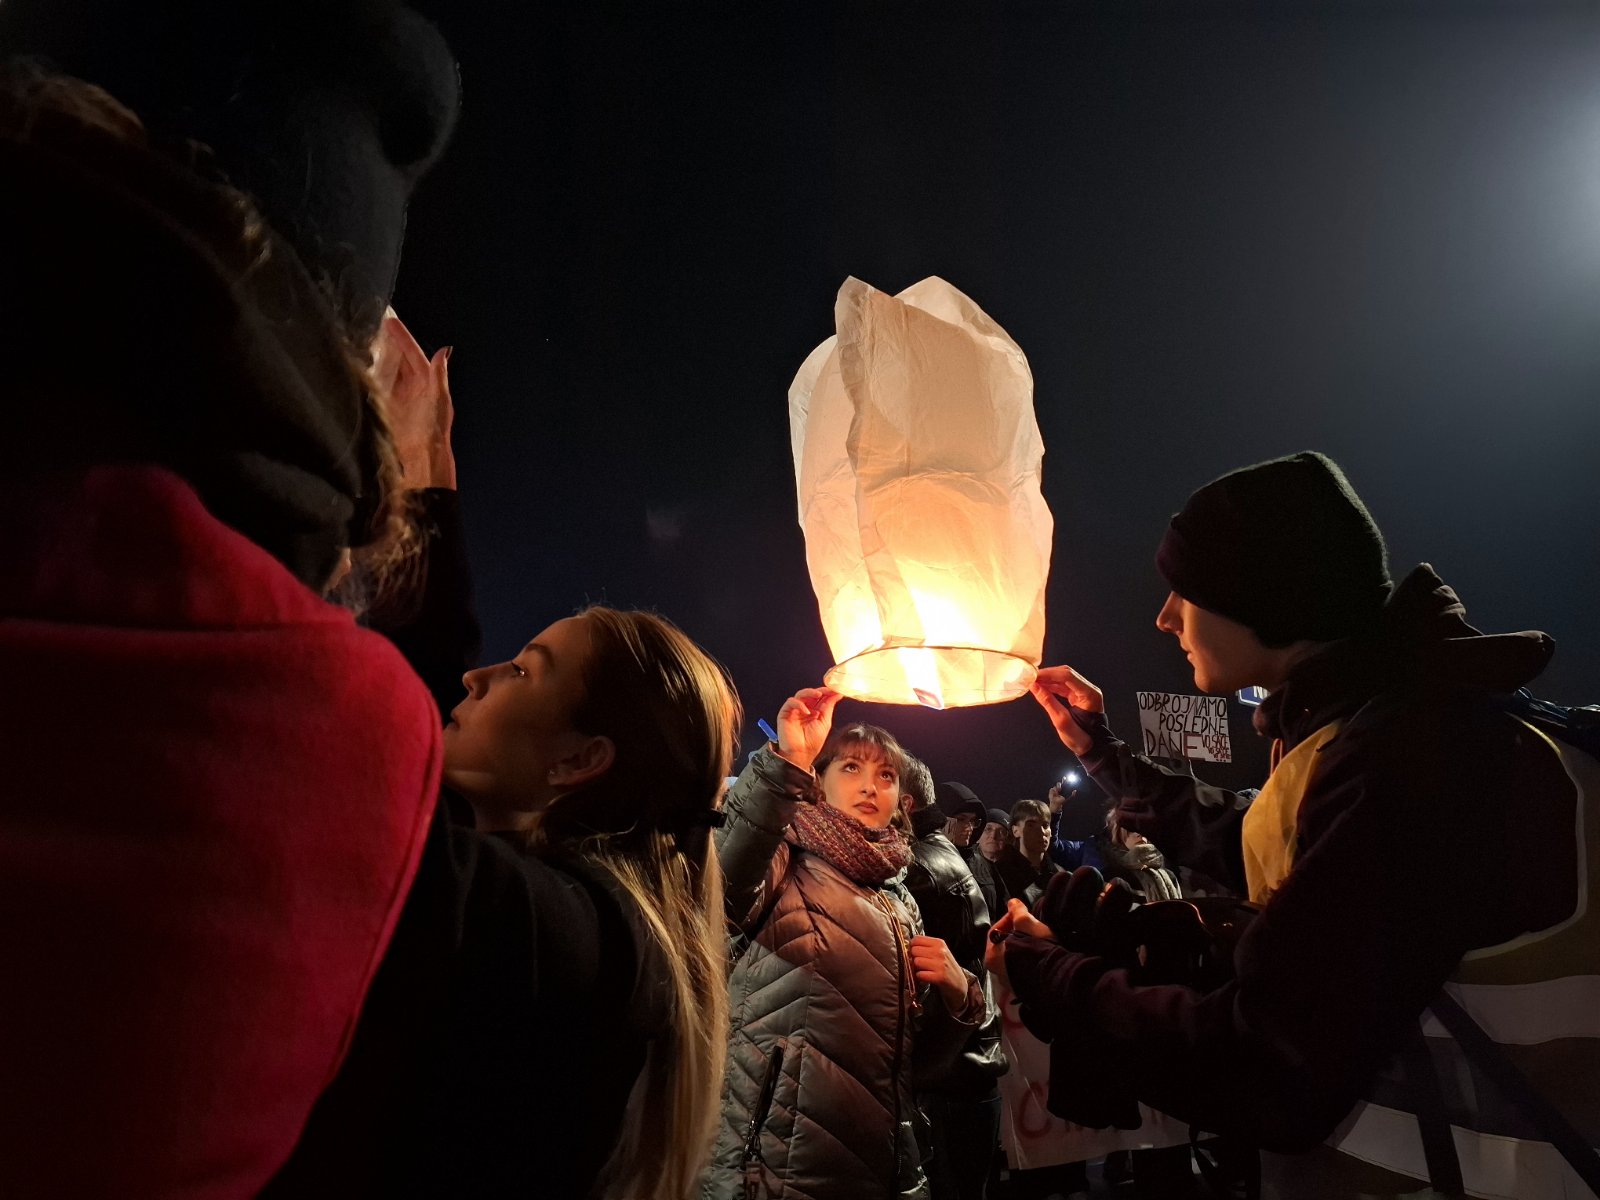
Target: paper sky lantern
point(917, 457)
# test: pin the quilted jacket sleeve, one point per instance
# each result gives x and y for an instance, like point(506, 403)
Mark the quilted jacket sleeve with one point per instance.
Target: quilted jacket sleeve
point(758, 810)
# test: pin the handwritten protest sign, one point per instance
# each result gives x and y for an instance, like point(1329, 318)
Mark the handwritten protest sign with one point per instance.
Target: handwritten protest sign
point(1185, 726)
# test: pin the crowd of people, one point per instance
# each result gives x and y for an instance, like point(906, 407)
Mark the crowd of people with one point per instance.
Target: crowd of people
point(301, 902)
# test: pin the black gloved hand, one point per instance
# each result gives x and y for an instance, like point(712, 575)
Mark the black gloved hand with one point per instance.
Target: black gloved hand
point(1090, 914)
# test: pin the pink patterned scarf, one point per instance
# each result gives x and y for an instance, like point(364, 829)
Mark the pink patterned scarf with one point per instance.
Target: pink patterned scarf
point(870, 857)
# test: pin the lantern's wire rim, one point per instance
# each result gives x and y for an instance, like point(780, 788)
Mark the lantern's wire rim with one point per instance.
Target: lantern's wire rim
point(869, 691)
point(928, 646)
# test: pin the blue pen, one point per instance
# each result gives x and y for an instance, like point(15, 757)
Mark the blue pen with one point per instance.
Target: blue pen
point(772, 734)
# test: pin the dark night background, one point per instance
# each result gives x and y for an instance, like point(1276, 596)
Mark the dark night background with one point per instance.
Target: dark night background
point(1220, 232)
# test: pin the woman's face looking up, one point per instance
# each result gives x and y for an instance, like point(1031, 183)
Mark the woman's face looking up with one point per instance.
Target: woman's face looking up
point(861, 782)
point(510, 747)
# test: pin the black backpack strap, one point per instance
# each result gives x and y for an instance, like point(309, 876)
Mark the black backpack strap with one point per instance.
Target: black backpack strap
point(1208, 1156)
point(1583, 1158)
point(1433, 1119)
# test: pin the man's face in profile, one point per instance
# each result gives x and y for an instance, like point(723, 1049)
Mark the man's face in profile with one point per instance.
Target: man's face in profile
point(959, 829)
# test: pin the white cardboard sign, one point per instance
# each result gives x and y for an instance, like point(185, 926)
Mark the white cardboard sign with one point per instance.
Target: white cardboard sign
point(1175, 726)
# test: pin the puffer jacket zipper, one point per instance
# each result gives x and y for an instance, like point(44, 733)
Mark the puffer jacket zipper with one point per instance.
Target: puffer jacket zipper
point(751, 1164)
point(901, 967)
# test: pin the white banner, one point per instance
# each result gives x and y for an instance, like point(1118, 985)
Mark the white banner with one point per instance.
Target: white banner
point(1031, 1135)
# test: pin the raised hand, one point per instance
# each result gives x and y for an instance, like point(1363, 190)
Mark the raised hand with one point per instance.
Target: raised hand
point(932, 962)
point(804, 723)
point(1050, 686)
point(415, 393)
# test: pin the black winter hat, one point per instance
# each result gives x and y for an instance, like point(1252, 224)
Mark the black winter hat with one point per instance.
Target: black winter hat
point(997, 816)
point(326, 112)
point(957, 798)
point(149, 317)
point(1284, 547)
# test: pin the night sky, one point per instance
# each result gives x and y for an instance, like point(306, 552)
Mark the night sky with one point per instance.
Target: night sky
point(1220, 233)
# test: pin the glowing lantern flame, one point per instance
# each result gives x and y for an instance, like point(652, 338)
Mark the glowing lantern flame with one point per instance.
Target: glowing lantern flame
point(917, 456)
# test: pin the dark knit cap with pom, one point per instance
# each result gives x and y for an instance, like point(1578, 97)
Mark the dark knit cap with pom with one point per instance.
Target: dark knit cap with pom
point(1285, 548)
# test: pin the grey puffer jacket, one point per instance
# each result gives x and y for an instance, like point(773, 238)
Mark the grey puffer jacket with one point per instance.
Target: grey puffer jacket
point(820, 976)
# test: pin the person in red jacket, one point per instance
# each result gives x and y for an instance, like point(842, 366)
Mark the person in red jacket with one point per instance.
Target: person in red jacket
point(217, 785)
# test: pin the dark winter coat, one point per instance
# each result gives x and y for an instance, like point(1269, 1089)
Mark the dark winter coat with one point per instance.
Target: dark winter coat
point(952, 908)
point(503, 1034)
point(1023, 879)
point(1069, 853)
point(1409, 855)
point(821, 977)
point(993, 881)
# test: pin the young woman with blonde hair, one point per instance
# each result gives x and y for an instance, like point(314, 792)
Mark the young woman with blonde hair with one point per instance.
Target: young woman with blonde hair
point(552, 1017)
point(628, 800)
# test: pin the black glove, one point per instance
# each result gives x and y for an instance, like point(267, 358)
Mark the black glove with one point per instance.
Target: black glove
point(1188, 942)
point(1090, 915)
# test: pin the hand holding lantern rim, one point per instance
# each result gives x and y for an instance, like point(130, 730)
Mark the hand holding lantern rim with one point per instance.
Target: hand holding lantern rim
point(804, 722)
point(1063, 681)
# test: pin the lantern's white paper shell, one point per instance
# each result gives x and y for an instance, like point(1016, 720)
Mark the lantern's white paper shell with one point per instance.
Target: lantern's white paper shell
point(917, 457)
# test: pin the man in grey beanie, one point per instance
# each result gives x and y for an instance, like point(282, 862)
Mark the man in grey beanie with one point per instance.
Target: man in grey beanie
point(1413, 835)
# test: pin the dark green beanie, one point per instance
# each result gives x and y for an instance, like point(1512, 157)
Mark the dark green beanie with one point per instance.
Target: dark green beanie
point(1284, 547)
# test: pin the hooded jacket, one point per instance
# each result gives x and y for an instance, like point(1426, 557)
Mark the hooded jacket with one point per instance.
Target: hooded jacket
point(821, 979)
point(217, 789)
point(1434, 824)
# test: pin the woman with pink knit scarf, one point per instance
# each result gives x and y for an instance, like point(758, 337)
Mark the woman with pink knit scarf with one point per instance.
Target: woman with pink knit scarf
point(838, 1003)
